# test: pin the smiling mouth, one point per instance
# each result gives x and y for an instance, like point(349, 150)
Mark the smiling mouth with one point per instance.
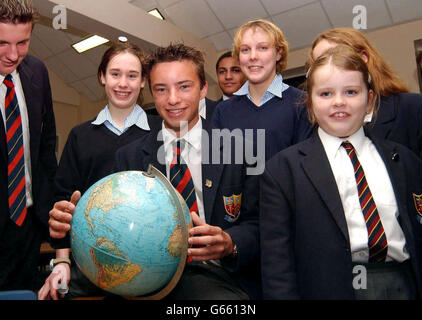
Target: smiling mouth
point(254, 68)
point(9, 64)
point(175, 112)
point(122, 94)
point(339, 115)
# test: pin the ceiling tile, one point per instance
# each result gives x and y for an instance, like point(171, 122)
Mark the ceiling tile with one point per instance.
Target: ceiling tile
point(55, 40)
point(56, 65)
point(234, 13)
point(73, 38)
point(83, 89)
point(75, 61)
point(221, 41)
point(275, 7)
point(404, 10)
point(93, 85)
point(194, 16)
point(342, 15)
point(95, 55)
point(232, 32)
point(297, 33)
point(145, 4)
point(39, 49)
point(167, 3)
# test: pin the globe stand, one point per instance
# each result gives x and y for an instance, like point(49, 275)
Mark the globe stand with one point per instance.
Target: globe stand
point(153, 172)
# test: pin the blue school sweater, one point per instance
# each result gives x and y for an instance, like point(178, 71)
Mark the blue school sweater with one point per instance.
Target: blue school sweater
point(284, 119)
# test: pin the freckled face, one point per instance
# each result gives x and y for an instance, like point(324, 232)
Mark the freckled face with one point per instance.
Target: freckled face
point(340, 100)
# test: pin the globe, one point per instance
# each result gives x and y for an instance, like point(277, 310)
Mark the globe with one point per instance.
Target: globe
point(129, 234)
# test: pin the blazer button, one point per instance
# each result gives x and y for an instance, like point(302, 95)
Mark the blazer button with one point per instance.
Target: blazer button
point(395, 157)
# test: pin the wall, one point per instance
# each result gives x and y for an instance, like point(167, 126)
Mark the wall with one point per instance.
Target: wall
point(214, 92)
point(66, 118)
point(396, 45)
point(70, 108)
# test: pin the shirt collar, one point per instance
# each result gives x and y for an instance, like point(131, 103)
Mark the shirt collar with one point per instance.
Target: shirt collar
point(137, 117)
point(14, 74)
point(276, 87)
point(368, 117)
point(192, 137)
point(358, 141)
point(332, 144)
point(244, 90)
point(202, 108)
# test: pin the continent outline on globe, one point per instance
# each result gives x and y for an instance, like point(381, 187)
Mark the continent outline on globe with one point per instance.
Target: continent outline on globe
point(93, 231)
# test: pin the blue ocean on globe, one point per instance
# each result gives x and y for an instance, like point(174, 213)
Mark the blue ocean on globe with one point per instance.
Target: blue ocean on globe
point(126, 234)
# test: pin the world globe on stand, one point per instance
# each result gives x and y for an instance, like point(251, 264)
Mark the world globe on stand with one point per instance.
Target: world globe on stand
point(129, 234)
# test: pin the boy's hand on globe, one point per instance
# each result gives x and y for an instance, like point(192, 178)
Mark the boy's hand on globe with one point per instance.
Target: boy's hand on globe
point(61, 216)
point(210, 242)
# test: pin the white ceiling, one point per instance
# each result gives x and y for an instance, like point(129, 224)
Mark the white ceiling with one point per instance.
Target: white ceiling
point(216, 21)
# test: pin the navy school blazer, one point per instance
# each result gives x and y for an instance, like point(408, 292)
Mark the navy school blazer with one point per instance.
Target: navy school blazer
point(304, 239)
point(42, 130)
point(399, 119)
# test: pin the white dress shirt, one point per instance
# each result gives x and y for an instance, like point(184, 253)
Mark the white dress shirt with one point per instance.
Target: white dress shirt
point(202, 109)
point(381, 188)
point(192, 156)
point(25, 128)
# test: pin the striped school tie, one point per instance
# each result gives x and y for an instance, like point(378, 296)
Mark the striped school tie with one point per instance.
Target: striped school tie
point(181, 178)
point(15, 155)
point(377, 240)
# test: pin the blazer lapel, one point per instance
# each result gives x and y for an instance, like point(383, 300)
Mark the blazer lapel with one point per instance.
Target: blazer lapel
point(3, 142)
point(318, 170)
point(211, 173)
point(154, 149)
point(33, 106)
point(385, 117)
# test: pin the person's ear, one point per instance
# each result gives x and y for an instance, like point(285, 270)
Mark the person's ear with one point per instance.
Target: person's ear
point(102, 79)
point(279, 54)
point(371, 101)
point(143, 81)
point(204, 90)
point(364, 55)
